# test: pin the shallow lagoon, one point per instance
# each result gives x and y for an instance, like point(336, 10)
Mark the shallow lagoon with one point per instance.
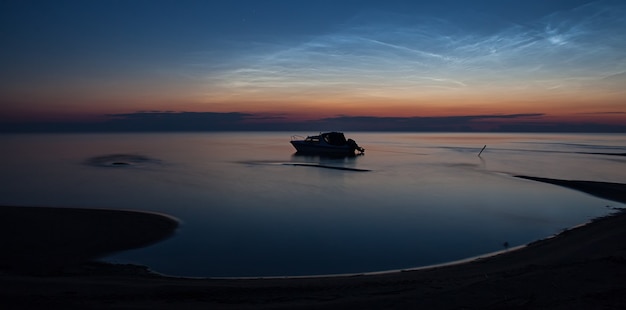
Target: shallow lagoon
point(246, 210)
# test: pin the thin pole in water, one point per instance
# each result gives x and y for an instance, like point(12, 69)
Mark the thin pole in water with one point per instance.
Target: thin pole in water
point(481, 151)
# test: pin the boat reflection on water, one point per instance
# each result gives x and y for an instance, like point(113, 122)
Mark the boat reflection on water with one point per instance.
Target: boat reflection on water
point(337, 162)
point(327, 144)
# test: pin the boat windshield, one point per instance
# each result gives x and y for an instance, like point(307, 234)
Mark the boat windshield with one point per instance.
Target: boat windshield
point(335, 138)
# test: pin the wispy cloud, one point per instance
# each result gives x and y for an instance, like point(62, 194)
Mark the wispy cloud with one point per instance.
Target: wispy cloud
point(396, 56)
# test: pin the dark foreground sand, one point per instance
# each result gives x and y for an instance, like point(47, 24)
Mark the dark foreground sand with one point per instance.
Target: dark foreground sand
point(43, 240)
point(582, 268)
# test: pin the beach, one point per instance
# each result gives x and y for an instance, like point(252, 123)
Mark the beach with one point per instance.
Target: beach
point(580, 268)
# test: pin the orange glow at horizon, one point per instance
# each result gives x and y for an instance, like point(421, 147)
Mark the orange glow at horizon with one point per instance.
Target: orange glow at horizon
point(319, 107)
point(561, 108)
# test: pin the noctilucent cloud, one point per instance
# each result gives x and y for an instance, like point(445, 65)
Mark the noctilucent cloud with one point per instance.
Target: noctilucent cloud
point(303, 60)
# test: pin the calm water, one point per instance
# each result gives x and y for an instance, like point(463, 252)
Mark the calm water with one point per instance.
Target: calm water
point(245, 212)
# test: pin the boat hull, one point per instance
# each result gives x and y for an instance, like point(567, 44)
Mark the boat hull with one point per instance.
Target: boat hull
point(316, 148)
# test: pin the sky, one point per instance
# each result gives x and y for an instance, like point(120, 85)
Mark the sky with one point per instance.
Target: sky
point(530, 62)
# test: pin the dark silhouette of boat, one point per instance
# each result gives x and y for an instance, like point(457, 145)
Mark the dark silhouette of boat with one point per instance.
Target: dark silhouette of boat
point(328, 143)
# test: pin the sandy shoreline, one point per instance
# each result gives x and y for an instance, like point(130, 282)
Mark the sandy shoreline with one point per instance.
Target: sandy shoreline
point(580, 268)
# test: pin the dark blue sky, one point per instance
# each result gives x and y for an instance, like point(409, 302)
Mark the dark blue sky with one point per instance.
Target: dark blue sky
point(196, 24)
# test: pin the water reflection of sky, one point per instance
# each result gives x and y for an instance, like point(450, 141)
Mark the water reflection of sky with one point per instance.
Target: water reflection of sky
point(427, 199)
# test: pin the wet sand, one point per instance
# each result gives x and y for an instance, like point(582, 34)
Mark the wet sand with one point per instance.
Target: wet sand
point(581, 268)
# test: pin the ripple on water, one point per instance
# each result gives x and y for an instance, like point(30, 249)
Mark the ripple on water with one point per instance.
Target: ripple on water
point(121, 161)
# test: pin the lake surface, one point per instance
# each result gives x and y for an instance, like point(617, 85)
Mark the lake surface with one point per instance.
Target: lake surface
point(246, 210)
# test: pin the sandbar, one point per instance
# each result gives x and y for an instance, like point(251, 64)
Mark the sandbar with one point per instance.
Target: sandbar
point(43, 240)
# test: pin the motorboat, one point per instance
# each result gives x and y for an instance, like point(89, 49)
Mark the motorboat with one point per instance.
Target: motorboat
point(330, 143)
